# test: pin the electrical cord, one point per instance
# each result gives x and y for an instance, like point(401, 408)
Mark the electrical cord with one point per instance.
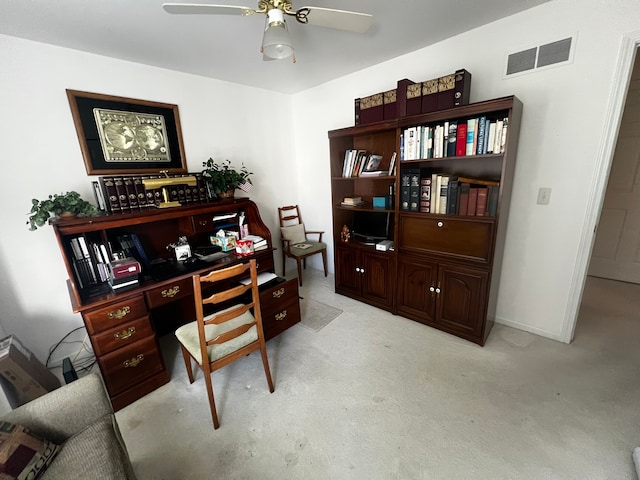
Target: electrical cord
point(83, 347)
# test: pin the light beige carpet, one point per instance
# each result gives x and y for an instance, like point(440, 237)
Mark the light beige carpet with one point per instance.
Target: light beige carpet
point(316, 315)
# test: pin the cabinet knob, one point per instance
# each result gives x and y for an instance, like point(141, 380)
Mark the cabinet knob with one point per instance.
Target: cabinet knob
point(432, 289)
point(362, 270)
point(437, 290)
point(358, 269)
point(440, 224)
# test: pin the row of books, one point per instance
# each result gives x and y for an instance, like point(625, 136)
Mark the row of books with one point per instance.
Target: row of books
point(448, 194)
point(127, 193)
point(362, 163)
point(91, 260)
point(456, 138)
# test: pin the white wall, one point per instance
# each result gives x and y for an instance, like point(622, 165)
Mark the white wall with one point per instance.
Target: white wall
point(562, 130)
point(41, 155)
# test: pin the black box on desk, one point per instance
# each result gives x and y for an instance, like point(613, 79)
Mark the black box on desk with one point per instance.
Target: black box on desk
point(26, 374)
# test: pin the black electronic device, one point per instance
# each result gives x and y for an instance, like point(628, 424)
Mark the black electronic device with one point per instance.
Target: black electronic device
point(371, 227)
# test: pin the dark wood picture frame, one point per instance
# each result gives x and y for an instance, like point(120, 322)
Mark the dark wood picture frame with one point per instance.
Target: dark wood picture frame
point(120, 135)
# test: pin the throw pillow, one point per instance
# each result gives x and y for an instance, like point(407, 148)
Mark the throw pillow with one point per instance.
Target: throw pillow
point(295, 234)
point(23, 454)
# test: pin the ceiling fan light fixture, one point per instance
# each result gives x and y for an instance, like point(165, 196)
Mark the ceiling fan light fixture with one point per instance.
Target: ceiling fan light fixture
point(276, 43)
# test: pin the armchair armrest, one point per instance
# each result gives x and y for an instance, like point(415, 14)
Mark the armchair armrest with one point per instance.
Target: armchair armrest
point(315, 232)
point(65, 411)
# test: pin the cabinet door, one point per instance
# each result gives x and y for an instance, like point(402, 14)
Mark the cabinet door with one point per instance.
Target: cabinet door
point(415, 279)
point(461, 301)
point(377, 272)
point(347, 277)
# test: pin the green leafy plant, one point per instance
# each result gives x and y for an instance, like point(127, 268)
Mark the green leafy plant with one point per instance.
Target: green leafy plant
point(56, 205)
point(222, 177)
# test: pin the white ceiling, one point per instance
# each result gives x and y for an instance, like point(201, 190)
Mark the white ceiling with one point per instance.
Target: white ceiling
point(227, 47)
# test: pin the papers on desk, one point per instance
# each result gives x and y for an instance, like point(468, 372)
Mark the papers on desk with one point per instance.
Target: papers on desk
point(217, 218)
point(263, 277)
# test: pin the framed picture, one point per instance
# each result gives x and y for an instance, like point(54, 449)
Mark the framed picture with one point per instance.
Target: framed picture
point(122, 135)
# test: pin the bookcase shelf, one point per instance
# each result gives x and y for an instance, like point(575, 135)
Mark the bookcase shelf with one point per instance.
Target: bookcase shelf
point(444, 268)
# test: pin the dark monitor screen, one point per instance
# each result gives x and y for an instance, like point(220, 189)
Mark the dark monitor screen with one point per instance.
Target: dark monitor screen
point(370, 227)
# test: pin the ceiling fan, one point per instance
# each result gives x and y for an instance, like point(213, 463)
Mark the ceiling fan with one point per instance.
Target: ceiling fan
point(276, 42)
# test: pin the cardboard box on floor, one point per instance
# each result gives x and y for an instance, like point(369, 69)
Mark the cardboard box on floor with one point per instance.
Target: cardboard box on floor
point(27, 375)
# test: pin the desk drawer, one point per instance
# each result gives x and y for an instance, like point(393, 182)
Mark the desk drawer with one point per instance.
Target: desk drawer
point(279, 294)
point(279, 317)
point(169, 292)
point(115, 314)
point(122, 335)
point(127, 366)
point(280, 307)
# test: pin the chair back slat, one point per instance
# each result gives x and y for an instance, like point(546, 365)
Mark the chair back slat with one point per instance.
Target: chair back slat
point(220, 297)
point(226, 315)
point(231, 334)
point(288, 214)
point(224, 273)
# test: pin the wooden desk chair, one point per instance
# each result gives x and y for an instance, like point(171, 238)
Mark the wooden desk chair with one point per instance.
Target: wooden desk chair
point(295, 243)
point(227, 334)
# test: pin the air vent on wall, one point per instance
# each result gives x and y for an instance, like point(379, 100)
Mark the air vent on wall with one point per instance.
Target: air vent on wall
point(538, 57)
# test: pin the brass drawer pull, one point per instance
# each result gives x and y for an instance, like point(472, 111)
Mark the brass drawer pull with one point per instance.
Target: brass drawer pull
point(134, 362)
point(281, 315)
point(120, 313)
point(278, 293)
point(172, 292)
point(123, 335)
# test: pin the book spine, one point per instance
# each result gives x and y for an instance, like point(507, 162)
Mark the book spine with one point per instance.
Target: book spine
point(429, 95)
point(109, 187)
point(473, 201)
point(132, 195)
point(492, 201)
point(481, 132)
point(471, 128)
point(405, 190)
point(462, 87)
point(356, 112)
point(452, 196)
point(99, 196)
point(463, 202)
point(461, 140)
point(140, 192)
point(414, 191)
point(444, 191)
point(121, 192)
point(436, 183)
point(453, 139)
point(425, 194)
point(481, 207)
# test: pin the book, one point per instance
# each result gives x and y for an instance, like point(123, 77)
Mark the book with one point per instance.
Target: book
point(405, 189)
point(482, 126)
point(491, 140)
point(452, 196)
point(121, 192)
point(445, 138)
point(463, 202)
point(444, 191)
point(352, 204)
point(392, 164)
point(492, 201)
point(111, 195)
point(376, 173)
point(471, 129)
point(481, 206)
point(453, 138)
point(99, 196)
point(414, 190)
point(425, 194)
point(503, 137)
point(352, 199)
point(461, 140)
point(473, 201)
point(498, 136)
point(429, 146)
point(436, 182)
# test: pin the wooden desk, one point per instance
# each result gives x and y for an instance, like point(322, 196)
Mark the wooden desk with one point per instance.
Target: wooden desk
point(123, 326)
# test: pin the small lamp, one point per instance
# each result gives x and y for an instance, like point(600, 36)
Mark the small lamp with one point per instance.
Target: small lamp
point(276, 43)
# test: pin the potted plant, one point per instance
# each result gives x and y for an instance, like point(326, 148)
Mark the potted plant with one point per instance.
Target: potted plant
point(59, 205)
point(222, 178)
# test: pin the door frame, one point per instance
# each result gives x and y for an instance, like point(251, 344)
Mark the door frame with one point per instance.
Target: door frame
point(617, 98)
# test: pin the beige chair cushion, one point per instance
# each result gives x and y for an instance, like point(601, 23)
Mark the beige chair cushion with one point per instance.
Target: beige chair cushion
point(295, 234)
point(188, 336)
point(313, 248)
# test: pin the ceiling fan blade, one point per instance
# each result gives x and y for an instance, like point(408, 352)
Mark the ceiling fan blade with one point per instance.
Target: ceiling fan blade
point(339, 19)
point(203, 8)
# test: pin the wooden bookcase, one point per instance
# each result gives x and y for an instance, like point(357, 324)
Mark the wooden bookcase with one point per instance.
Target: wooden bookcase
point(444, 269)
point(123, 325)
